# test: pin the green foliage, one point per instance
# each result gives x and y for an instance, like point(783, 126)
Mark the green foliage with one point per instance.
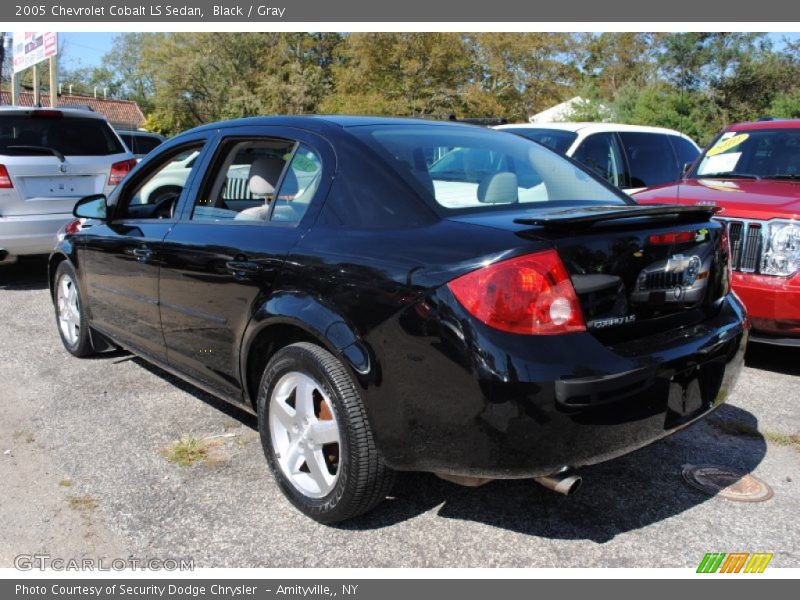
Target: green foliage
point(694, 82)
point(786, 106)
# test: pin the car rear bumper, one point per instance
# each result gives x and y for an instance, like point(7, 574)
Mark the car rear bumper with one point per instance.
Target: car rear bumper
point(30, 234)
point(482, 403)
point(773, 305)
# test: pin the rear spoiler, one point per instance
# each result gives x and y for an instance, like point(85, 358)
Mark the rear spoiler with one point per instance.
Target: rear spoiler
point(586, 216)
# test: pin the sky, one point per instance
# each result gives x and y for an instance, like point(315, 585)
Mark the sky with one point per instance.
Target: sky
point(87, 49)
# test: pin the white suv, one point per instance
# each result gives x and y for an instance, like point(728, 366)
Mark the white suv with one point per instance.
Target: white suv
point(50, 159)
point(631, 157)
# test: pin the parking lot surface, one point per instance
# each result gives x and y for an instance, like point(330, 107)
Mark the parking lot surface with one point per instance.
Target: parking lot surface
point(90, 468)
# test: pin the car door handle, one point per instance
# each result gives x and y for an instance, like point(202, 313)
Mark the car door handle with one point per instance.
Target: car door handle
point(142, 254)
point(242, 268)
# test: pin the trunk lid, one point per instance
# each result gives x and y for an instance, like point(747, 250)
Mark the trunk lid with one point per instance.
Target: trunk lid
point(637, 270)
point(45, 185)
point(53, 158)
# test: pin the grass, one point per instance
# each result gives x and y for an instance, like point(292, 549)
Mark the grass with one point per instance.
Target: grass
point(783, 439)
point(190, 450)
point(186, 451)
point(65, 483)
point(81, 504)
point(738, 428)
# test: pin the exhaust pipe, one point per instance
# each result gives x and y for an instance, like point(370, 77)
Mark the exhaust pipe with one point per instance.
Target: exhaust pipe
point(564, 482)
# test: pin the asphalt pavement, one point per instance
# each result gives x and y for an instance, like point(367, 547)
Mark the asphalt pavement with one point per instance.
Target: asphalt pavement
point(88, 451)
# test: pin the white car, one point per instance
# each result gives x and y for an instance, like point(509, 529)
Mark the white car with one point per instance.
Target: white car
point(50, 159)
point(631, 157)
point(141, 143)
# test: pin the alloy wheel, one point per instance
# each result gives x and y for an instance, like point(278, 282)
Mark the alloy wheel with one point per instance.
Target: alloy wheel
point(69, 313)
point(305, 434)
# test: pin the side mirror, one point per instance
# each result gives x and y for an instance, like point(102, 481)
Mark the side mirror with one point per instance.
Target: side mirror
point(686, 167)
point(91, 207)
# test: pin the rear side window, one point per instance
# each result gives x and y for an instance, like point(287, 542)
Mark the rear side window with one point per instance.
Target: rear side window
point(127, 139)
point(298, 187)
point(31, 135)
point(146, 144)
point(650, 158)
point(601, 153)
point(556, 139)
point(685, 150)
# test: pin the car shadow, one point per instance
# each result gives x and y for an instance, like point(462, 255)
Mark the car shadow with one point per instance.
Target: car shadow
point(777, 359)
point(231, 410)
point(28, 273)
point(617, 496)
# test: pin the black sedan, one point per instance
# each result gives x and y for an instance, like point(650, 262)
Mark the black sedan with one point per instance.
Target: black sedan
point(382, 307)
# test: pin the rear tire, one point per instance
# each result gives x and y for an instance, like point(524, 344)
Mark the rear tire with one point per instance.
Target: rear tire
point(316, 436)
point(70, 315)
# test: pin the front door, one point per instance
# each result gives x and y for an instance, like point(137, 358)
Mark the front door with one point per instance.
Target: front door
point(222, 257)
point(121, 259)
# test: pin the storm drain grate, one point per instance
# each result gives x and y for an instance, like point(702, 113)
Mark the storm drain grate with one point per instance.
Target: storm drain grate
point(728, 484)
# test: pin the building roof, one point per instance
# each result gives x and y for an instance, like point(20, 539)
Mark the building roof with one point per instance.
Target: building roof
point(561, 112)
point(120, 113)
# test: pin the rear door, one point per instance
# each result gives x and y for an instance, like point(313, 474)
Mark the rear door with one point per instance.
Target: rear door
point(651, 159)
point(259, 194)
point(54, 159)
point(601, 152)
point(121, 258)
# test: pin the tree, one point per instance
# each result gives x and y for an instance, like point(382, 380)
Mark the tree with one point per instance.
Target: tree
point(413, 74)
point(520, 74)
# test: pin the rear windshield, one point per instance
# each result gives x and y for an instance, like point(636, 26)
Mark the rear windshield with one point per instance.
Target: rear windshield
point(468, 169)
point(558, 140)
point(140, 144)
point(146, 143)
point(22, 135)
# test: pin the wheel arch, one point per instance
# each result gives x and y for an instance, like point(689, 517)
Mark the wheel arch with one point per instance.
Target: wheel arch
point(289, 318)
point(56, 258)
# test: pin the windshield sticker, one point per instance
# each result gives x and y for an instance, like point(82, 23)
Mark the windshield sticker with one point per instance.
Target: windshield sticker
point(720, 163)
point(723, 145)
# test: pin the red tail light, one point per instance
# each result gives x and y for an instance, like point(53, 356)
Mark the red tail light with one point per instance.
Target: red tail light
point(47, 113)
point(672, 238)
point(119, 170)
point(5, 179)
point(530, 294)
point(73, 226)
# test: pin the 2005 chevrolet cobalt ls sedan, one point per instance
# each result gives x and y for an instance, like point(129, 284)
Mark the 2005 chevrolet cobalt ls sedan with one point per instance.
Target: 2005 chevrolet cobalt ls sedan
point(380, 308)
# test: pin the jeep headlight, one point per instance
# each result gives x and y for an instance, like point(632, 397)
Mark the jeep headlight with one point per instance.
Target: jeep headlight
point(782, 254)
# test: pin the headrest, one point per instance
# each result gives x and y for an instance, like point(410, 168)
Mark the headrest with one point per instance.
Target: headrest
point(499, 188)
point(264, 174)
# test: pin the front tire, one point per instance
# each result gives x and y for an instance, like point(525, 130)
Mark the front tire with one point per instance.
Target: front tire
point(70, 315)
point(316, 436)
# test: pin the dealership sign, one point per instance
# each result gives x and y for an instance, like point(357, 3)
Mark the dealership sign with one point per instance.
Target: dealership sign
point(32, 47)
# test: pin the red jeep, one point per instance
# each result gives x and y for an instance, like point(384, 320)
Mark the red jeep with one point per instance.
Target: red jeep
point(752, 172)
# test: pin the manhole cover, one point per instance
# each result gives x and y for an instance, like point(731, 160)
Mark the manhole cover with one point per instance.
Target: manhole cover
point(728, 484)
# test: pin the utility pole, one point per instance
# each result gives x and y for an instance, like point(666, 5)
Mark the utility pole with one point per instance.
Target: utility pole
point(54, 81)
point(5, 52)
point(2, 57)
point(37, 97)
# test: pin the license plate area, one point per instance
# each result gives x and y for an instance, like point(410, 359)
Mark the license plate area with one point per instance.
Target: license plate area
point(59, 187)
point(694, 390)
